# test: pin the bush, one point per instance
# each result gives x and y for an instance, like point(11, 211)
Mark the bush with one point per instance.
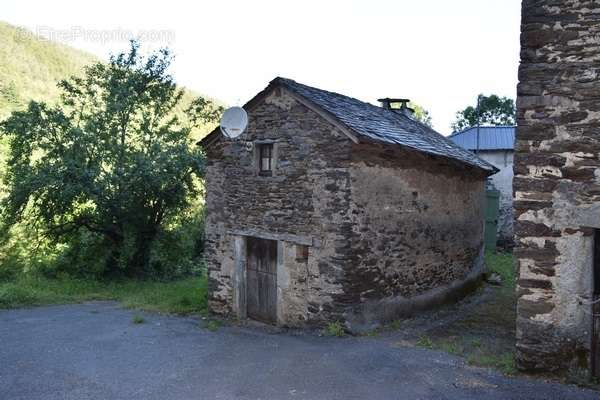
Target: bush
point(83, 256)
point(175, 254)
point(13, 295)
point(178, 251)
point(10, 268)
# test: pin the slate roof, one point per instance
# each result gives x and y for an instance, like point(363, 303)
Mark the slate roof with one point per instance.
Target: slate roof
point(382, 125)
point(490, 138)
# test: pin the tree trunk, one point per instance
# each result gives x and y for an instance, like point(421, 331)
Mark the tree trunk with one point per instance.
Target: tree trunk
point(141, 260)
point(113, 263)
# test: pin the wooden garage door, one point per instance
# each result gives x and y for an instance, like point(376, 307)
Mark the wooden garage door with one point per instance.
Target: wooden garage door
point(261, 280)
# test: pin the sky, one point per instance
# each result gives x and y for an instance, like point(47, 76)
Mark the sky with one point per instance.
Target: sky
point(439, 53)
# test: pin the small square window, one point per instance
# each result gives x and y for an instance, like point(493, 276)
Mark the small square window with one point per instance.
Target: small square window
point(265, 159)
point(301, 253)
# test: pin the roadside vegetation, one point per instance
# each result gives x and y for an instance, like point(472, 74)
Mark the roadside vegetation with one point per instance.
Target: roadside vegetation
point(334, 329)
point(184, 296)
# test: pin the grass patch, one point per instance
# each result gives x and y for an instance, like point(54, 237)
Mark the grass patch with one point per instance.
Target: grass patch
point(473, 351)
point(138, 319)
point(452, 346)
point(503, 265)
point(505, 362)
point(185, 296)
point(426, 342)
point(334, 329)
point(212, 325)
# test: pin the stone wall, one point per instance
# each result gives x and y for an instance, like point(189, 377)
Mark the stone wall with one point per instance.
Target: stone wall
point(306, 201)
point(503, 180)
point(418, 231)
point(557, 181)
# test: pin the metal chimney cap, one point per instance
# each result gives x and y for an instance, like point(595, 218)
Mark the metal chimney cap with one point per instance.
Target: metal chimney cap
point(393, 100)
point(387, 102)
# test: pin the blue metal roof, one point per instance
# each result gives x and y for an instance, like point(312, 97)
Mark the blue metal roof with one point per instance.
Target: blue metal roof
point(490, 138)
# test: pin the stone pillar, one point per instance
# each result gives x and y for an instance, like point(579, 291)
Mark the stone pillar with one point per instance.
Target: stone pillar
point(239, 276)
point(557, 181)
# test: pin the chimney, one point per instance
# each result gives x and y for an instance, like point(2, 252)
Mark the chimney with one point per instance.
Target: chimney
point(391, 104)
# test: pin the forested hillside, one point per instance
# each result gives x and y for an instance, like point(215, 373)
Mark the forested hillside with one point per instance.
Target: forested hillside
point(30, 68)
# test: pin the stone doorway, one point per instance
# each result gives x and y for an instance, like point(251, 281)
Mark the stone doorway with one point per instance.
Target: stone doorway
point(261, 280)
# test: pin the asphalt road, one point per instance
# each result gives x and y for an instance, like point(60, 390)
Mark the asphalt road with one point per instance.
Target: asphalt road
point(94, 351)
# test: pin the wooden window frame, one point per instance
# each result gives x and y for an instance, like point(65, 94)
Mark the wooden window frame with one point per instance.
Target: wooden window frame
point(259, 149)
point(265, 152)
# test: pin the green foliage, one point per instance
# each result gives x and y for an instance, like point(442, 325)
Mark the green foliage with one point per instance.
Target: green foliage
point(110, 168)
point(425, 341)
point(178, 297)
point(182, 297)
point(334, 329)
point(29, 70)
point(505, 362)
point(14, 295)
point(30, 67)
point(493, 110)
point(451, 346)
point(138, 319)
point(421, 114)
point(504, 265)
point(212, 325)
point(473, 351)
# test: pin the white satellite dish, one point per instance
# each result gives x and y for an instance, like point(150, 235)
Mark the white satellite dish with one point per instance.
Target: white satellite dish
point(234, 122)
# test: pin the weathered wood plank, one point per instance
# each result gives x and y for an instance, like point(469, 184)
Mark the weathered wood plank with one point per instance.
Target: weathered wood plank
point(286, 237)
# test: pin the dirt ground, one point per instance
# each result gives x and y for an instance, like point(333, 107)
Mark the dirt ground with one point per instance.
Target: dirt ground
point(481, 328)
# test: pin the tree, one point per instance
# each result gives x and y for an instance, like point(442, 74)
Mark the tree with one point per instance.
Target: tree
point(111, 159)
point(493, 110)
point(421, 114)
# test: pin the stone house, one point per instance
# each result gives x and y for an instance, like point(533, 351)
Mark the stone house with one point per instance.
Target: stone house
point(496, 145)
point(557, 187)
point(331, 209)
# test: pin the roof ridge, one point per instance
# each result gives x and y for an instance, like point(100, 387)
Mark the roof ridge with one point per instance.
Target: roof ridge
point(373, 106)
point(279, 78)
